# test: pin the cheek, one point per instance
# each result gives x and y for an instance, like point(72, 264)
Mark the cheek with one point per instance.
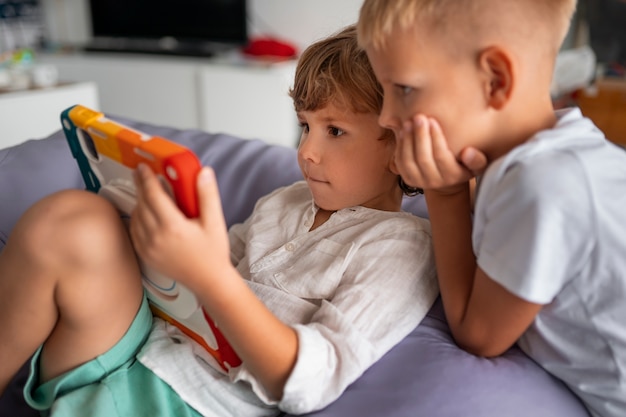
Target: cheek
point(459, 134)
point(375, 165)
point(454, 139)
point(396, 106)
point(405, 109)
point(455, 121)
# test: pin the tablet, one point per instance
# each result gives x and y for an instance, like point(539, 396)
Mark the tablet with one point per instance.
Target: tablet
point(107, 153)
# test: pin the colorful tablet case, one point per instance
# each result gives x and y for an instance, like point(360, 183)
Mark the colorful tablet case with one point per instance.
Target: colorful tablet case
point(107, 152)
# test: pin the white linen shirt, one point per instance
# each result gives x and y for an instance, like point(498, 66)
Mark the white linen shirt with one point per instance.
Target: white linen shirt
point(352, 289)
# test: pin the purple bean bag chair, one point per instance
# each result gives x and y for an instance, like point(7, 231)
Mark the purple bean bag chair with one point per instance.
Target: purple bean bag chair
point(425, 375)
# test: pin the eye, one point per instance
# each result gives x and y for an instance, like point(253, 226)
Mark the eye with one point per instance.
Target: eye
point(335, 131)
point(304, 126)
point(405, 90)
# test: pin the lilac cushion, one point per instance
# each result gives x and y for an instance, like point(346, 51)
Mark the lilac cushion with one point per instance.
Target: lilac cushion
point(425, 375)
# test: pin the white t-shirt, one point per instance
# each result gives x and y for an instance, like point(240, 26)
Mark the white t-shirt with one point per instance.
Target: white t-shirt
point(352, 288)
point(550, 226)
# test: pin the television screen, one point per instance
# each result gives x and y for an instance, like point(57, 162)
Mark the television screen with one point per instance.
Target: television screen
point(187, 27)
point(607, 32)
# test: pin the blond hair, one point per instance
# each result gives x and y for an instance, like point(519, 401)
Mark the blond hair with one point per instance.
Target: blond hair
point(461, 21)
point(336, 70)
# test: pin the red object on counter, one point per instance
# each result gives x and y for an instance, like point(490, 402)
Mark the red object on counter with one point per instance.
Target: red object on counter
point(269, 47)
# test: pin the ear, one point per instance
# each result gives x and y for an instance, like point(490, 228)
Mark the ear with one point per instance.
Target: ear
point(497, 66)
point(393, 167)
point(391, 143)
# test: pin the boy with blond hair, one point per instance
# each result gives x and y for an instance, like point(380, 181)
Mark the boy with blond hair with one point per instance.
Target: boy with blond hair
point(541, 258)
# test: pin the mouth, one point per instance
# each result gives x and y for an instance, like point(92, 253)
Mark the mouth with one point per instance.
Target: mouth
point(311, 178)
point(315, 180)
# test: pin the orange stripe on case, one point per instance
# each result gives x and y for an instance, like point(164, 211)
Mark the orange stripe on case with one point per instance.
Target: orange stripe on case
point(81, 115)
point(190, 333)
point(129, 141)
point(177, 165)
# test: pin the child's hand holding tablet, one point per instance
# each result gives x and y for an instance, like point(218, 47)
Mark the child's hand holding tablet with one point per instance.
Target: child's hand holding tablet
point(108, 153)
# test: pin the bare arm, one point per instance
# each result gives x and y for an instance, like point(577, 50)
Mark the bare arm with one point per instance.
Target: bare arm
point(196, 252)
point(484, 317)
point(267, 346)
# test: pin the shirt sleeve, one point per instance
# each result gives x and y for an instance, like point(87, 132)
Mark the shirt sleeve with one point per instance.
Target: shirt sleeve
point(535, 232)
point(237, 240)
point(385, 292)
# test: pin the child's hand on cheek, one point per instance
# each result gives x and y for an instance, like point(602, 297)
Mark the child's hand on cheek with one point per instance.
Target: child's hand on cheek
point(474, 160)
point(186, 250)
point(425, 160)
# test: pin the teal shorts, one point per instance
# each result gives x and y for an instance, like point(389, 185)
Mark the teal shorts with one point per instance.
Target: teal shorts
point(113, 384)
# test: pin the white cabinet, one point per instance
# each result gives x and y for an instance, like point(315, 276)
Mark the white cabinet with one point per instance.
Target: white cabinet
point(35, 113)
point(227, 94)
point(249, 101)
point(156, 91)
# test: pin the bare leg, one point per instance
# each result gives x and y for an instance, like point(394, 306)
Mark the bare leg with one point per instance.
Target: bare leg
point(69, 280)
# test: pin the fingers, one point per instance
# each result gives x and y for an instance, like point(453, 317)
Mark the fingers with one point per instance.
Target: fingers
point(209, 199)
point(412, 145)
point(142, 219)
point(419, 128)
point(425, 159)
point(445, 162)
point(152, 200)
point(153, 210)
point(474, 160)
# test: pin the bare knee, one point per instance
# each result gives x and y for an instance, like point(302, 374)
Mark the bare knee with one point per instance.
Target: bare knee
point(70, 256)
point(76, 241)
point(71, 227)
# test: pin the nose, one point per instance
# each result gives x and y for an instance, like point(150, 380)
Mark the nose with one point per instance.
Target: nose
point(388, 118)
point(310, 147)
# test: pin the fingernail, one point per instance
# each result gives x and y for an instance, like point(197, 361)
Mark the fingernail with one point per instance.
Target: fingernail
point(142, 168)
point(205, 175)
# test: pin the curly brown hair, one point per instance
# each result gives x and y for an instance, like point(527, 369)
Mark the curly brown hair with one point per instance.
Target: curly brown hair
point(336, 69)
